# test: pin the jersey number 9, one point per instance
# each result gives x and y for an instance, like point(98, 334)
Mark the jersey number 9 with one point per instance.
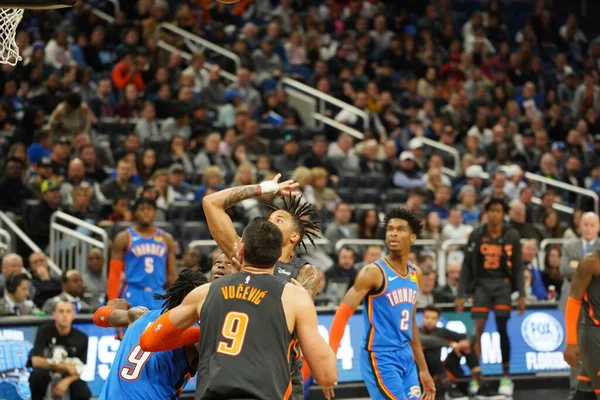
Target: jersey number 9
point(234, 328)
point(149, 265)
point(137, 358)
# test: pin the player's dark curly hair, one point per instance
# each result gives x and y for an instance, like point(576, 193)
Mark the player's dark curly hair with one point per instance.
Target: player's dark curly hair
point(401, 213)
point(187, 281)
point(495, 200)
point(301, 212)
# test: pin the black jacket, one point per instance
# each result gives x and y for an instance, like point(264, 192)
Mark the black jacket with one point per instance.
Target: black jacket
point(474, 260)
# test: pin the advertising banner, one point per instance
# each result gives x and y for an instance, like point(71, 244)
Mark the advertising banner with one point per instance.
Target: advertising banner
point(537, 342)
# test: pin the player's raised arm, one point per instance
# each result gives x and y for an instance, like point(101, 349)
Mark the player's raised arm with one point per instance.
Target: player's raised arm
point(424, 375)
point(319, 356)
point(117, 314)
point(171, 259)
point(220, 224)
point(588, 268)
point(369, 278)
point(174, 328)
point(117, 264)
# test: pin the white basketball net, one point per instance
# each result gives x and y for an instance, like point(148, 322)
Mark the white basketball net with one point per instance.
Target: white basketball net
point(9, 20)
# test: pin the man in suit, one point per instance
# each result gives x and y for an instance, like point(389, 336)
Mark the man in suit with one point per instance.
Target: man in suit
point(572, 253)
point(576, 249)
point(341, 228)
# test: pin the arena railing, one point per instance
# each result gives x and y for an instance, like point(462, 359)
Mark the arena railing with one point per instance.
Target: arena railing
point(338, 125)
point(448, 149)
point(5, 242)
point(8, 223)
point(211, 244)
point(566, 186)
point(71, 240)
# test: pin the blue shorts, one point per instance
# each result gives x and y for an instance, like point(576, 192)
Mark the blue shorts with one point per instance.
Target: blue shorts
point(390, 374)
point(139, 296)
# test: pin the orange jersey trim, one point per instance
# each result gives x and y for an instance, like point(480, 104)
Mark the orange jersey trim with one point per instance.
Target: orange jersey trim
point(583, 378)
point(502, 307)
point(591, 312)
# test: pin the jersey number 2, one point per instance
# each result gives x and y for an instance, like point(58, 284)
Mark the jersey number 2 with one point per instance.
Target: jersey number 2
point(404, 321)
point(137, 358)
point(234, 328)
point(149, 265)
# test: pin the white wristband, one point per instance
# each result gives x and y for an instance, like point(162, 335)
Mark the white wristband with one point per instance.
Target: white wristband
point(268, 187)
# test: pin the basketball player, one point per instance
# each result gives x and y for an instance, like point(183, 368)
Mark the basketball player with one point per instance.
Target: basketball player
point(388, 290)
point(248, 320)
point(291, 219)
point(585, 349)
point(491, 268)
point(147, 256)
point(137, 374)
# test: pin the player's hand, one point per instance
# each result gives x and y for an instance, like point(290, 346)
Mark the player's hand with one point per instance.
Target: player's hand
point(572, 355)
point(119, 304)
point(456, 349)
point(236, 259)
point(286, 188)
point(521, 305)
point(428, 385)
point(328, 392)
point(459, 303)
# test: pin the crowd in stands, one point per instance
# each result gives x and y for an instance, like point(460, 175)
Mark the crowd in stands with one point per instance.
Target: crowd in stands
point(98, 114)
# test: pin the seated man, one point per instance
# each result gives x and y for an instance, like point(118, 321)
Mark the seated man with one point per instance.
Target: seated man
point(434, 339)
point(58, 357)
point(72, 284)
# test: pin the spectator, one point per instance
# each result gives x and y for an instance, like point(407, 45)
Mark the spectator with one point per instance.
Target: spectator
point(15, 301)
point(212, 178)
point(290, 159)
point(72, 290)
point(470, 212)
point(60, 157)
point(75, 177)
point(104, 104)
point(94, 281)
point(58, 357)
point(254, 144)
point(323, 196)
point(131, 104)
point(41, 146)
point(71, 117)
point(196, 70)
point(146, 127)
point(343, 155)
point(191, 259)
point(529, 256)
point(166, 194)
point(425, 297)
point(371, 254)
point(14, 191)
point(120, 211)
point(50, 96)
point(251, 97)
point(182, 189)
point(518, 222)
point(214, 92)
point(448, 292)
point(586, 96)
point(126, 71)
point(147, 164)
point(455, 229)
point(12, 264)
point(551, 274)
point(121, 185)
point(572, 231)
point(549, 225)
point(93, 171)
point(574, 250)
point(80, 203)
point(267, 62)
point(317, 158)
point(340, 228)
point(175, 153)
point(178, 124)
point(432, 228)
point(368, 223)
point(131, 145)
point(38, 220)
point(343, 270)
point(44, 286)
point(441, 201)
point(57, 52)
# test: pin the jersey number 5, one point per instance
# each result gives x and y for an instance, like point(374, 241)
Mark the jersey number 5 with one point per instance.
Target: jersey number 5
point(234, 328)
point(404, 321)
point(149, 265)
point(137, 358)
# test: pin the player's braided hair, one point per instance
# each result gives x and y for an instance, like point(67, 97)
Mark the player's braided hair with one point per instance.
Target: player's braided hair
point(401, 213)
point(301, 212)
point(187, 281)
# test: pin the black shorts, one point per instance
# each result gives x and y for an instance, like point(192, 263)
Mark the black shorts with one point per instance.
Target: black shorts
point(492, 294)
point(589, 346)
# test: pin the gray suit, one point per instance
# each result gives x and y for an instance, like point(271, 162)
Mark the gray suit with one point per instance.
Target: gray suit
point(572, 251)
point(334, 232)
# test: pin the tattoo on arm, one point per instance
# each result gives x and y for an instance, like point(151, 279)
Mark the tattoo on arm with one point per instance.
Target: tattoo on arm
point(238, 194)
point(308, 276)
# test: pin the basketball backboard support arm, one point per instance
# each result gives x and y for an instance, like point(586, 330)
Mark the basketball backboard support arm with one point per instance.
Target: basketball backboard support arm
point(37, 4)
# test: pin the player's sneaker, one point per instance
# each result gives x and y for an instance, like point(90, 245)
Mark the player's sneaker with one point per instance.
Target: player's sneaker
point(486, 392)
point(506, 387)
point(473, 387)
point(453, 393)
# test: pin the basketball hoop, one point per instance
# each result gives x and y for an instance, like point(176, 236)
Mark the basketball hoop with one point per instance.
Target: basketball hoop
point(11, 13)
point(9, 20)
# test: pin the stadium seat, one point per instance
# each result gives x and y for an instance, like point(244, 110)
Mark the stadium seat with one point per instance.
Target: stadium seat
point(374, 180)
point(348, 180)
point(396, 195)
point(368, 196)
point(346, 194)
point(176, 212)
point(104, 208)
point(193, 231)
point(121, 226)
point(167, 227)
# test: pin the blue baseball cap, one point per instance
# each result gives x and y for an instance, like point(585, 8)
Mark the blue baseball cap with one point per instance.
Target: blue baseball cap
point(560, 146)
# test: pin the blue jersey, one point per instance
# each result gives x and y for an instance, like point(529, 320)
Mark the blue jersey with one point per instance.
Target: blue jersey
point(388, 312)
point(137, 374)
point(146, 260)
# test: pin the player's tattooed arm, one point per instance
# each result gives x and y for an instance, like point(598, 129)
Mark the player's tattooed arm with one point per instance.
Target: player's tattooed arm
point(238, 194)
point(308, 277)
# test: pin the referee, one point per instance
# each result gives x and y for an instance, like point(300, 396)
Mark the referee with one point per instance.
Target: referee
point(492, 269)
